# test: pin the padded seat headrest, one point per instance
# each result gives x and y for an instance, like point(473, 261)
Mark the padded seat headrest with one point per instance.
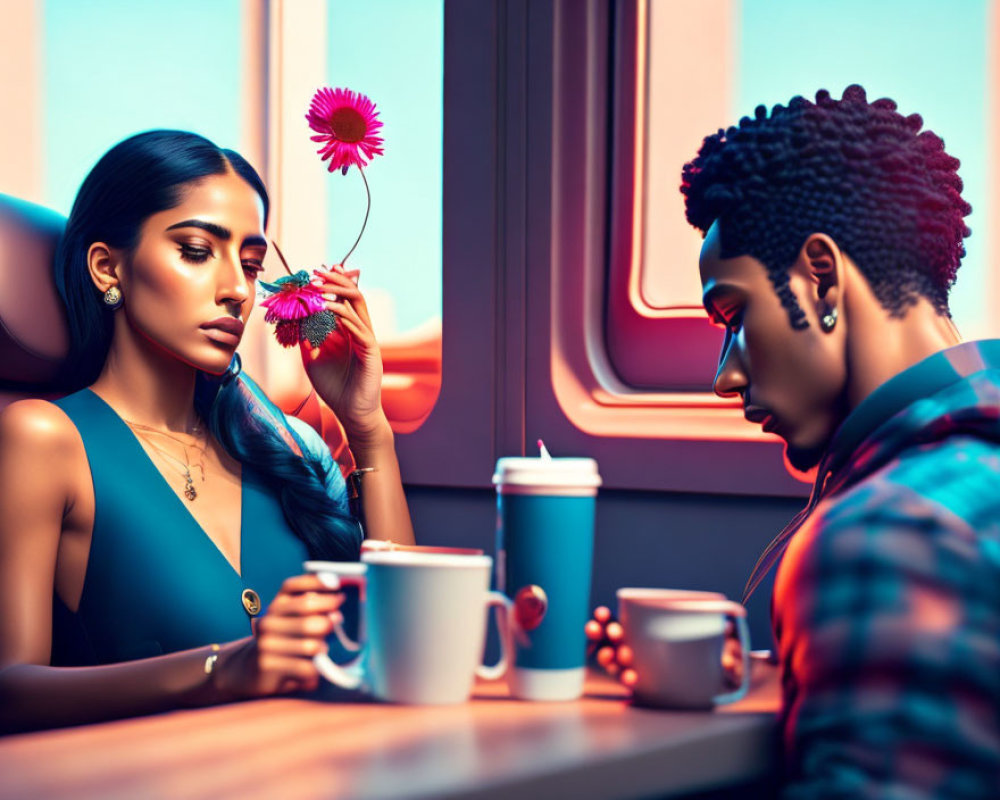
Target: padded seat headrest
point(33, 331)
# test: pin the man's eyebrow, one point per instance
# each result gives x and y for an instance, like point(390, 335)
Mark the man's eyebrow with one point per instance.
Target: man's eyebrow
point(219, 232)
point(713, 293)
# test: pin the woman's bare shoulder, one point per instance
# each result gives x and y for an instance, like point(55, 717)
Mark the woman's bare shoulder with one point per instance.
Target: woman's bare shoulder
point(39, 427)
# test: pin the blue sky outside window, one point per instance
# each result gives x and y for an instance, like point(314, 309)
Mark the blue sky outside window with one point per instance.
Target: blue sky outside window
point(115, 67)
point(399, 64)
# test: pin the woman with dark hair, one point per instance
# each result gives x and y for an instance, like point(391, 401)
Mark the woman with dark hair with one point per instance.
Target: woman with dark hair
point(149, 517)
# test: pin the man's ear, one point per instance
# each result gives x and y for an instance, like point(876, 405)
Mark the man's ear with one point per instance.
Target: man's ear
point(103, 263)
point(823, 264)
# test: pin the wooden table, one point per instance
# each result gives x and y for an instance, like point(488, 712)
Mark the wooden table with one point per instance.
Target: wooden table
point(598, 747)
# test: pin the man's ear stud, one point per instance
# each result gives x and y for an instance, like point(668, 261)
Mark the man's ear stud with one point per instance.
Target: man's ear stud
point(828, 320)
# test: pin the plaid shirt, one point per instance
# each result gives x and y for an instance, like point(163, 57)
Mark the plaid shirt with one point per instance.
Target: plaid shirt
point(886, 605)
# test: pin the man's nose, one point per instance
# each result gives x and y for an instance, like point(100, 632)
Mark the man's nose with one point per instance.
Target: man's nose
point(730, 378)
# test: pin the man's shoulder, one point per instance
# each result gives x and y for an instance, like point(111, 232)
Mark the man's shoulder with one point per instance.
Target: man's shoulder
point(960, 473)
point(909, 523)
point(952, 484)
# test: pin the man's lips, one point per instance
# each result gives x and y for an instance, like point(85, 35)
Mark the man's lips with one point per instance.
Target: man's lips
point(227, 330)
point(761, 416)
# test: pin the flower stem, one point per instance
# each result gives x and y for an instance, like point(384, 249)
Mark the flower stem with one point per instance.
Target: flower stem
point(363, 224)
point(282, 257)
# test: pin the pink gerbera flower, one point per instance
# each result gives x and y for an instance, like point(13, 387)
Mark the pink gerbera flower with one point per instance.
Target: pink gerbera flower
point(346, 122)
point(297, 309)
point(293, 303)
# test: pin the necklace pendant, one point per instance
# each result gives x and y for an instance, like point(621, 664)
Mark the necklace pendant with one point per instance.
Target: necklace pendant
point(189, 491)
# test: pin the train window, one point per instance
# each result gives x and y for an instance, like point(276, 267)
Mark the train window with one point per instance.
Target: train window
point(653, 282)
point(633, 356)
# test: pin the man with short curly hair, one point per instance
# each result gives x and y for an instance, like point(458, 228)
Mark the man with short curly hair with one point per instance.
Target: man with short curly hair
point(833, 233)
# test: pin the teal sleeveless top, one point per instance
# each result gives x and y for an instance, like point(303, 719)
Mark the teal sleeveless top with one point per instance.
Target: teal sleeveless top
point(155, 582)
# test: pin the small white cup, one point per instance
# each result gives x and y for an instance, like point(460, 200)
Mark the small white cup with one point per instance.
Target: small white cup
point(676, 638)
point(423, 625)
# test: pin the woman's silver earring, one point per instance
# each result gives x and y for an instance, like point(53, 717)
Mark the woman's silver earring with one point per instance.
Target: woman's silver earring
point(828, 320)
point(113, 298)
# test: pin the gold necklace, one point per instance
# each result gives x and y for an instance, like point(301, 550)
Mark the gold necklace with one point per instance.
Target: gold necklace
point(194, 431)
point(189, 491)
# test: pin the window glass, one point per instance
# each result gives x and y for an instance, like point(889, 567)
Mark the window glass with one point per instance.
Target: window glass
point(931, 57)
point(115, 67)
point(399, 64)
point(681, 109)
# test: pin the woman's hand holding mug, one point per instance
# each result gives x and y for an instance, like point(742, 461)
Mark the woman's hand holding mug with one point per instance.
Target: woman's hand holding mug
point(422, 626)
point(278, 658)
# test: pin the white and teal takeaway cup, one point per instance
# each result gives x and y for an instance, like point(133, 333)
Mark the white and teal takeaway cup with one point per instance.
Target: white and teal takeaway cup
point(545, 538)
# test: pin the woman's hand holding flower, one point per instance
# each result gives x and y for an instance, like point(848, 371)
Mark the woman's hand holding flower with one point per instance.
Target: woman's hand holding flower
point(346, 370)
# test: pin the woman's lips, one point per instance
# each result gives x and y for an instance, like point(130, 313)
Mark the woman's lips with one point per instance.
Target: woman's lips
point(225, 330)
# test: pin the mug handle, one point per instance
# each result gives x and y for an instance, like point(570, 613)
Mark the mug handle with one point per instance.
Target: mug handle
point(504, 615)
point(334, 576)
point(739, 613)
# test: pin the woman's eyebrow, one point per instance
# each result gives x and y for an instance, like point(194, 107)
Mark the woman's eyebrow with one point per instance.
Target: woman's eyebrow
point(219, 232)
point(216, 230)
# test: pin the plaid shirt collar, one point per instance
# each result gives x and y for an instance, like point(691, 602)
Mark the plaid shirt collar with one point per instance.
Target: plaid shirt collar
point(881, 424)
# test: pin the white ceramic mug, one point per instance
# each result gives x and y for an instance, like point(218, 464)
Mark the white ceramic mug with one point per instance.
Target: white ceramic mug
point(422, 627)
point(677, 639)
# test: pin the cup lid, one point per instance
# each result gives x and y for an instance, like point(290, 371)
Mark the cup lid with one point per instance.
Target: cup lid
point(408, 558)
point(525, 471)
point(382, 545)
point(654, 596)
point(680, 600)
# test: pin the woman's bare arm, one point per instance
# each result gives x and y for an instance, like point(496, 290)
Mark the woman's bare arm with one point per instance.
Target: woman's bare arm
point(347, 374)
point(40, 465)
point(37, 458)
point(36, 696)
point(383, 502)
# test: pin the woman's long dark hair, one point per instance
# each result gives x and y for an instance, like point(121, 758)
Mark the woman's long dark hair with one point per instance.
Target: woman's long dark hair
point(139, 177)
